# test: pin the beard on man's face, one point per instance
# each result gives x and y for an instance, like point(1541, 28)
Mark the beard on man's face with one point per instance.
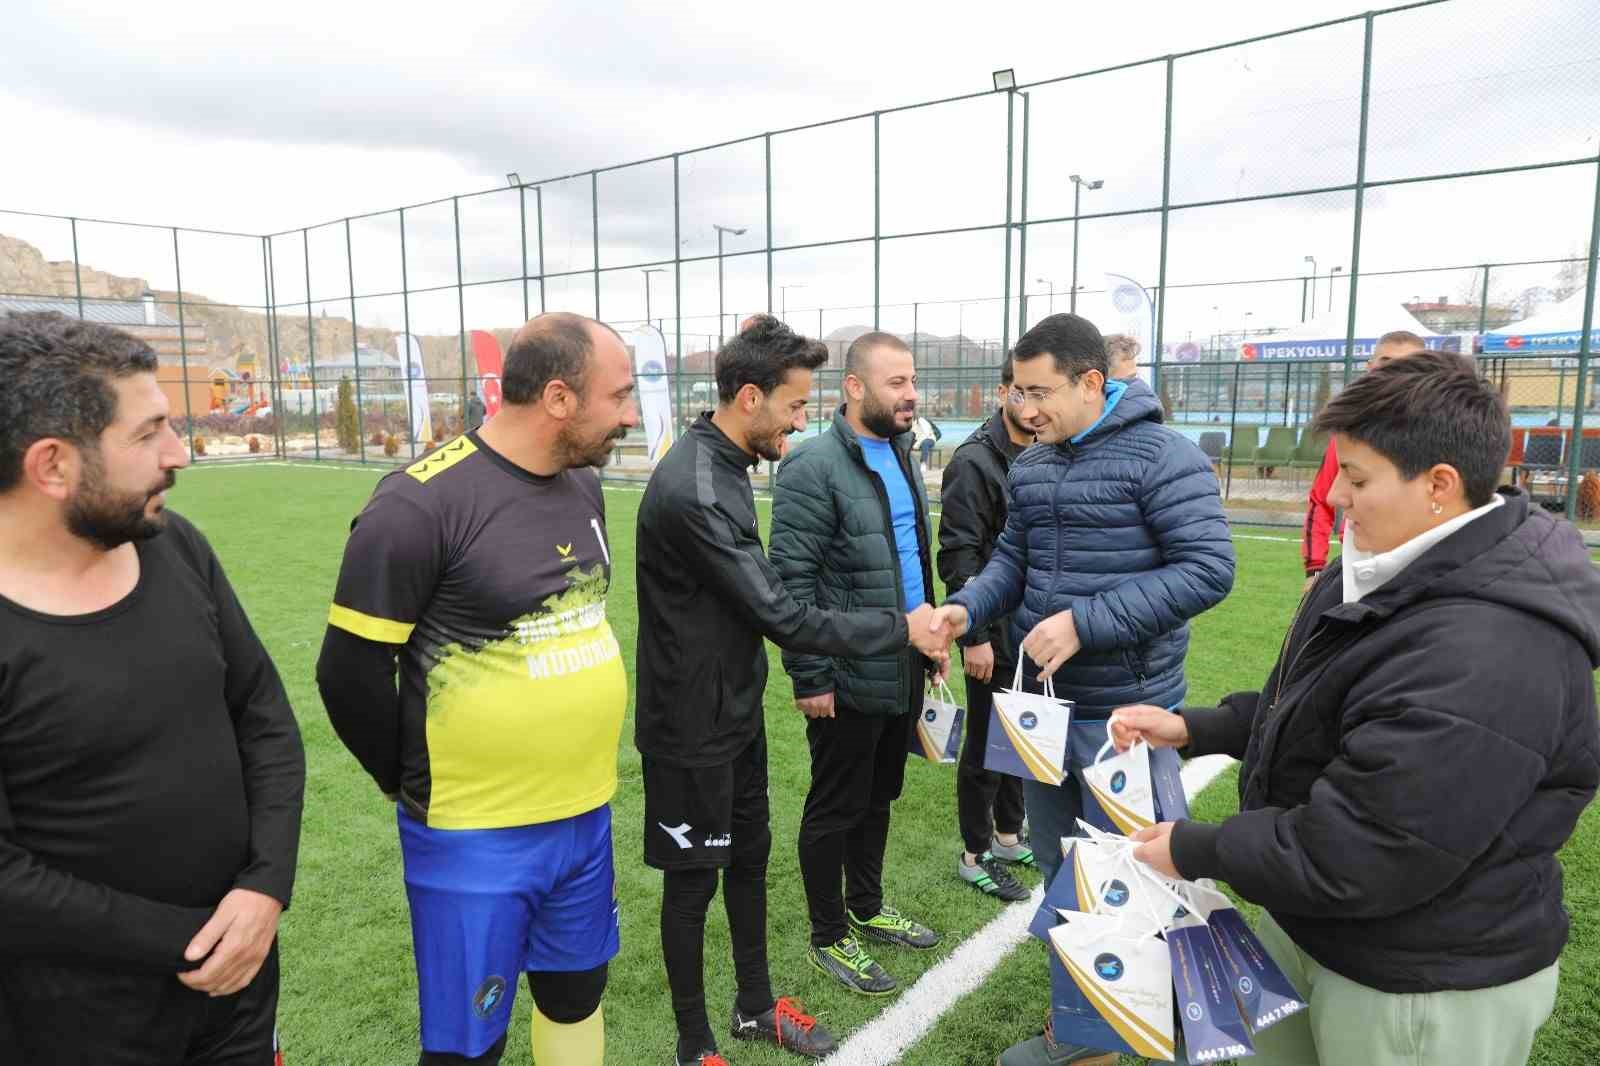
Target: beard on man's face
point(767, 436)
point(108, 518)
point(884, 420)
point(578, 450)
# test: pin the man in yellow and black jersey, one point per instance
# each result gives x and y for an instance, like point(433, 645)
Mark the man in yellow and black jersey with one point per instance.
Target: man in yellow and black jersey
point(483, 569)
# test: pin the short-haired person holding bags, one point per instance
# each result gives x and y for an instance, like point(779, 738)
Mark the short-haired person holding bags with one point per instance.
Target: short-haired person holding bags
point(1420, 752)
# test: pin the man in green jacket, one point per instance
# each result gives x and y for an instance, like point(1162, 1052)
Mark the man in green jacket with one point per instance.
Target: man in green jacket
point(850, 531)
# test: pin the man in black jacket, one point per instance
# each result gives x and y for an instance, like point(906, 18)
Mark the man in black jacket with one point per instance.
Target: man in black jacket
point(973, 499)
point(707, 595)
point(151, 773)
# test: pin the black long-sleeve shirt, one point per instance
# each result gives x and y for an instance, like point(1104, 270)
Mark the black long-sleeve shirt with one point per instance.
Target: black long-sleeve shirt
point(149, 764)
point(708, 595)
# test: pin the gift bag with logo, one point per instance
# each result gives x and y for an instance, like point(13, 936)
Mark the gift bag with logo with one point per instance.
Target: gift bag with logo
point(937, 736)
point(1266, 995)
point(1121, 786)
point(1124, 974)
point(1099, 875)
point(1028, 733)
point(1202, 985)
point(1148, 790)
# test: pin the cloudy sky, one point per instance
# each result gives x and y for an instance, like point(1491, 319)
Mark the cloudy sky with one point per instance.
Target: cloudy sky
point(262, 118)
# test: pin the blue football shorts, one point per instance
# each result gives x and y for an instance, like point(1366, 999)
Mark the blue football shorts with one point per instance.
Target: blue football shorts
point(488, 904)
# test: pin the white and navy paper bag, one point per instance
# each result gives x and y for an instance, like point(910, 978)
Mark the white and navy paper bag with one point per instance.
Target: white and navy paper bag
point(1124, 974)
point(937, 736)
point(1202, 987)
point(1266, 995)
point(1028, 733)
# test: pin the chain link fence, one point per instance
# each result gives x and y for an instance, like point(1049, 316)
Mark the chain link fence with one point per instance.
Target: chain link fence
point(1254, 213)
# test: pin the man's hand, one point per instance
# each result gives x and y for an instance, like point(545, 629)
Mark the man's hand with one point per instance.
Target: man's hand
point(979, 662)
point(932, 642)
point(1156, 726)
point(952, 618)
point(1311, 579)
point(816, 706)
point(1155, 849)
point(1052, 642)
point(237, 939)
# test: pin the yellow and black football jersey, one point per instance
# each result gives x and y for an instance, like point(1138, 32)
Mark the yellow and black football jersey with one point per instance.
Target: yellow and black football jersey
point(493, 582)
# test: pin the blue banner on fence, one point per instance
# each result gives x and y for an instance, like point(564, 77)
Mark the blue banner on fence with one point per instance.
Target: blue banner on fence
point(1563, 343)
point(1333, 348)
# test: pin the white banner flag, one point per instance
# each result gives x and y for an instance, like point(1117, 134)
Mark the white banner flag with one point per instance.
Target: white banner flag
point(421, 416)
point(1134, 315)
point(649, 350)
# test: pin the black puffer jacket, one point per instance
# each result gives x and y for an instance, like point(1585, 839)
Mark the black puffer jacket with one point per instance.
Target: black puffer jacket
point(972, 501)
point(833, 541)
point(1417, 759)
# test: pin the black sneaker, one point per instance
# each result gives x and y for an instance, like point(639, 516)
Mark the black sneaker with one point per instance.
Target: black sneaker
point(892, 927)
point(787, 1025)
point(847, 963)
point(990, 876)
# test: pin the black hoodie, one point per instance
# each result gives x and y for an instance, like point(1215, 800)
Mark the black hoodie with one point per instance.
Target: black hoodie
point(1417, 759)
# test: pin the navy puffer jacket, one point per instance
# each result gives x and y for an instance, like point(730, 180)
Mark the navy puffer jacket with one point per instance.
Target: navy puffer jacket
point(1124, 527)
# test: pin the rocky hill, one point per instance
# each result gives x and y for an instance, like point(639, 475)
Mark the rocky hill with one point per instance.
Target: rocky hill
point(231, 331)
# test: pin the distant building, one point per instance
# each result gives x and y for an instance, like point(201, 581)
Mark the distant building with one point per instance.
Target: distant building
point(185, 355)
point(1445, 316)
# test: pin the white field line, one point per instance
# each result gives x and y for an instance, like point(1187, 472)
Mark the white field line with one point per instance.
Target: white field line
point(912, 1017)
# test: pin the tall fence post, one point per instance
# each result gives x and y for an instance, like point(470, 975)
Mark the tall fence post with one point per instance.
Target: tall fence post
point(877, 219)
point(1022, 241)
point(183, 339)
point(1166, 212)
point(1361, 197)
point(275, 382)
point(311, 352)
point(1005, 304)
point(677, 296)
point(767, 142)
point(355, 343)
point(461, 310)
point(538, 207)
point(1580, 394)
point(594, 203)
point(1233, 429)
point(77, 269)
point(405, 343)
point(522, 230)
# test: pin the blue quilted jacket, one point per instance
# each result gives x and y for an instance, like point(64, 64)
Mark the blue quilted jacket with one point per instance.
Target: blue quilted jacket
point(1124, 527)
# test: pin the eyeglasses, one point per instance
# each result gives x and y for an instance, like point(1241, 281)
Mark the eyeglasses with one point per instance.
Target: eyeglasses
point(1037, 394)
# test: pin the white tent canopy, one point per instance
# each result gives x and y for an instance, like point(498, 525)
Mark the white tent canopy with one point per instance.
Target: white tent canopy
point(1323, 338)
point(1560, 317)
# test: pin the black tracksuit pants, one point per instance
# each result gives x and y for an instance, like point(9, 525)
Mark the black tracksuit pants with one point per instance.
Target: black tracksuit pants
point(858, 765)
point(986, 802)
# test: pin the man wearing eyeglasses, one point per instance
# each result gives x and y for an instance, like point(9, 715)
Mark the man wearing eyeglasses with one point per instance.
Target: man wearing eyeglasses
point(1115, 537)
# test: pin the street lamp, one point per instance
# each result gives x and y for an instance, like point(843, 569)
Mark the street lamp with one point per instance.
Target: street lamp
point(647, 272)
point(1078, 185)
point(1052, 287)
point(1331, 273)
point(512, 179)
point(1004, 80)
point(783, 300)
point(1313, 261)
point(736, 231)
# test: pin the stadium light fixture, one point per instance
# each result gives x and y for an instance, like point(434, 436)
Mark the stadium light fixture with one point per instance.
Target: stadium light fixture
point(513, 179)
point(1005, 80)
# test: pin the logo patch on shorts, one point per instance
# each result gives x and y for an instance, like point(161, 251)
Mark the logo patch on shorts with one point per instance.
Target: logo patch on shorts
point(488, 996)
